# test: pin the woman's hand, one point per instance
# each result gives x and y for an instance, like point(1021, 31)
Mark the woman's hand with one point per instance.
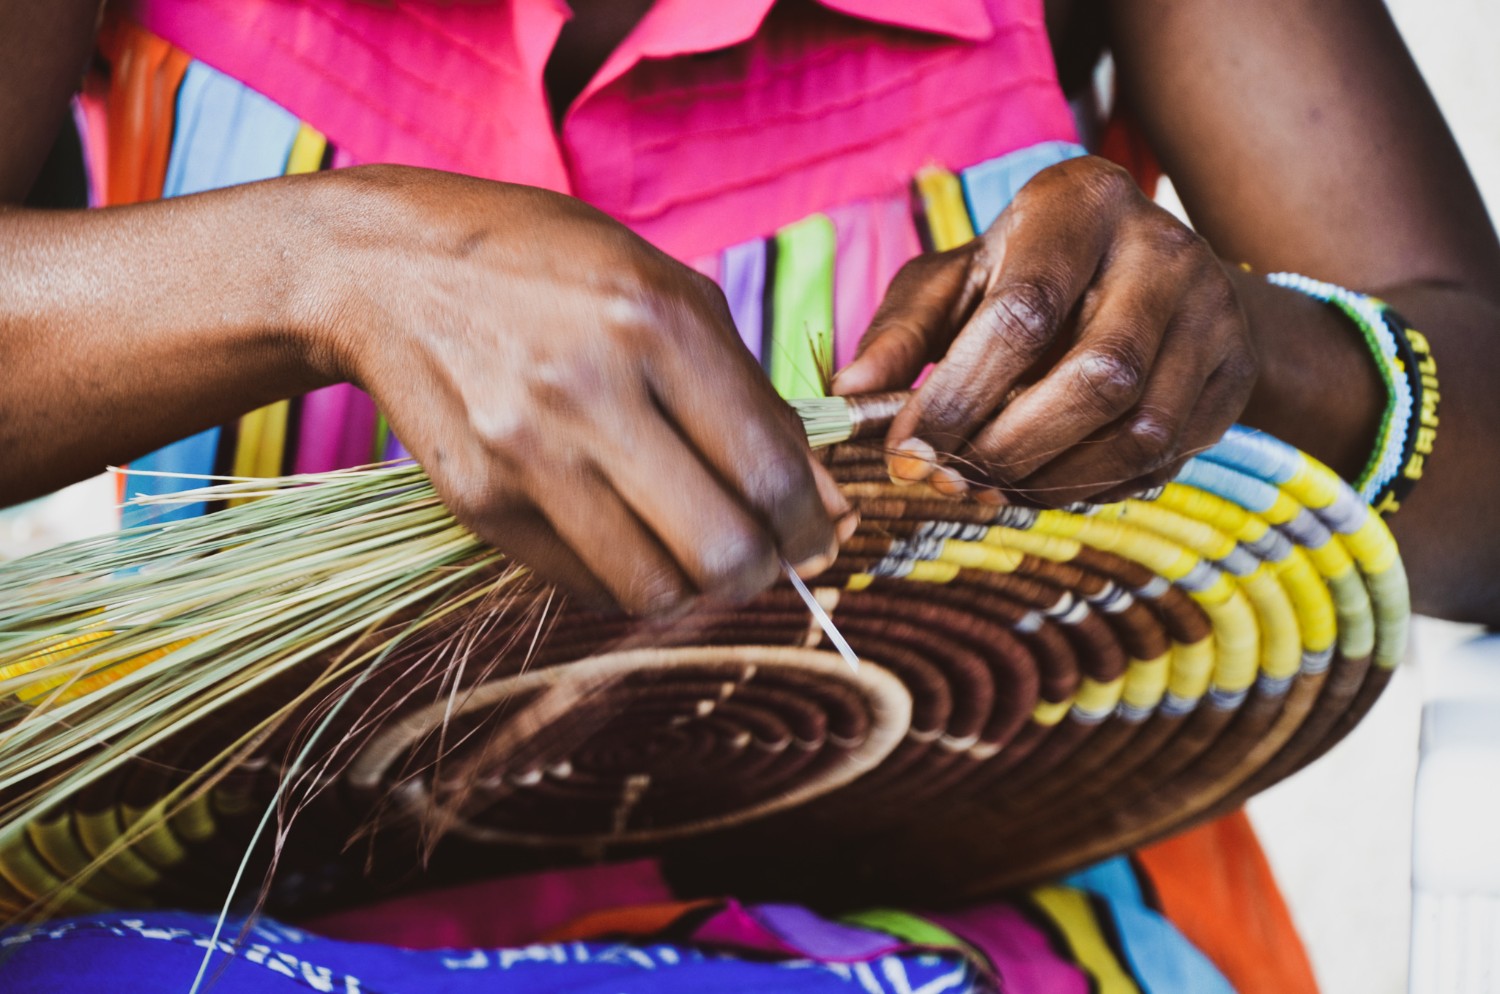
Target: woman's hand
point(580, 399)
point(1086, 345)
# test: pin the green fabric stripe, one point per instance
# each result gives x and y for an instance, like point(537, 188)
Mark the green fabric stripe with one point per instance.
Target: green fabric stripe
point(382, 436)
point(907, 927)
point(801, 306)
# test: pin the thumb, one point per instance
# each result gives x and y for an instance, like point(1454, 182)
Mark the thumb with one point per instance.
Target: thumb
point(925, 306)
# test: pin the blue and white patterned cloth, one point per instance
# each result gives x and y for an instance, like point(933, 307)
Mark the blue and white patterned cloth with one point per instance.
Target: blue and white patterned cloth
point(160, 952)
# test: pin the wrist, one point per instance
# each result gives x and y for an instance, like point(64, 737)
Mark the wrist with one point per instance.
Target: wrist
point(1319, 387)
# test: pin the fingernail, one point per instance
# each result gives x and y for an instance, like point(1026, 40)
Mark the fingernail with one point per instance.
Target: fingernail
point(948, 482)
point(990, 496)
point(846, 525)
point(913, 462)
point(809, 568)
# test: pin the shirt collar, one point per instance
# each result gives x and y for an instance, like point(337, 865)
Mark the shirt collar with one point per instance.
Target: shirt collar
point(684, 27)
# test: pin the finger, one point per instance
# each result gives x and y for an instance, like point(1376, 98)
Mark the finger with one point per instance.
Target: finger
point(727, 410)
point(845, 518)
point(1174, 421)
point(526, 537)
point(1105, 374)
point(930, 298)
point(611, 542)
point(717, 542)
point(1218, 408)
point(1040, 260)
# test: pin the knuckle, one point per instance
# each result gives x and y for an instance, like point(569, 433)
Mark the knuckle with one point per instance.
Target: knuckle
point(1026, 315)
point(1104, 182)
point(1111, 379)
point(1240, 367)
point(506, 431)
point(738, 563)
point(477, 503)
point(1217, 295)
point(917, 270)
point(1149, 440)
point(654, 591)
point(1175, 239)
point(557, 384)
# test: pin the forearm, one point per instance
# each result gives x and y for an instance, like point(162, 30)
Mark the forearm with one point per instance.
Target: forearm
point(124, 329)
point(1319, 390)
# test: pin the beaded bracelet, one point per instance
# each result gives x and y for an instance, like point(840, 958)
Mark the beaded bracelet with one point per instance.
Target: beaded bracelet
point(1421, 375)
point(1391, 454)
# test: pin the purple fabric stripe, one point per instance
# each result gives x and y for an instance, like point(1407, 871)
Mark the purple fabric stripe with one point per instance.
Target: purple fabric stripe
point(743, 277)
point(787, 930)
point(394, 449)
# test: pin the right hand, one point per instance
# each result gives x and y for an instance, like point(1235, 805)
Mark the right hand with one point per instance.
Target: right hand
point(580, 399)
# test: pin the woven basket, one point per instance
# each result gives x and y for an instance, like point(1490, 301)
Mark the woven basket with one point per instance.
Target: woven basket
point(1038, 689)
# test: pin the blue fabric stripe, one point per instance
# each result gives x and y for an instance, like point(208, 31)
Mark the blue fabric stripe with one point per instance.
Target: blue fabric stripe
point(1160, 957)
point(990, 186)
point(1237, 488)
point(225, 133)
point(1257, 454)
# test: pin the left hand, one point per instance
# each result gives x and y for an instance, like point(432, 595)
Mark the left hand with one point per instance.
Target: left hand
point(1087, 345)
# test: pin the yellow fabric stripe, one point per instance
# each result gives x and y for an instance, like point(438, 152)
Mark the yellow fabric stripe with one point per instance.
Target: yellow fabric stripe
point(932, 572)
point(977, 555)
point(34, 880)
point(1281, 636)
point(100, 830)
point(1070, 912)
point(158, 845)
point(1049, 547)
point(1331, 559)
point(1372, 546)
point(54, 654)
point(1095, 698)
point(195, 822)
point(54, 840)
point(1236, 642)
point(1192, 668)
point(1200, 536)
point(943, 202)
point(1146, 681)
point(307, 153)
point(1310, 600)
point(81, 686)
point(1201, 505)
point(1313, 485)
point(272, 439)
point(1049, 713)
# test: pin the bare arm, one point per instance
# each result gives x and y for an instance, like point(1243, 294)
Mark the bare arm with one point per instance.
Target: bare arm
point(582, 403)
point(1088, 343)
point(1301, 137)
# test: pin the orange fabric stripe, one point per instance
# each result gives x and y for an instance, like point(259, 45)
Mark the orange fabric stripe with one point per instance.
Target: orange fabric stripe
point(145, 74)
point(1216, 886)
point(645, 919)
